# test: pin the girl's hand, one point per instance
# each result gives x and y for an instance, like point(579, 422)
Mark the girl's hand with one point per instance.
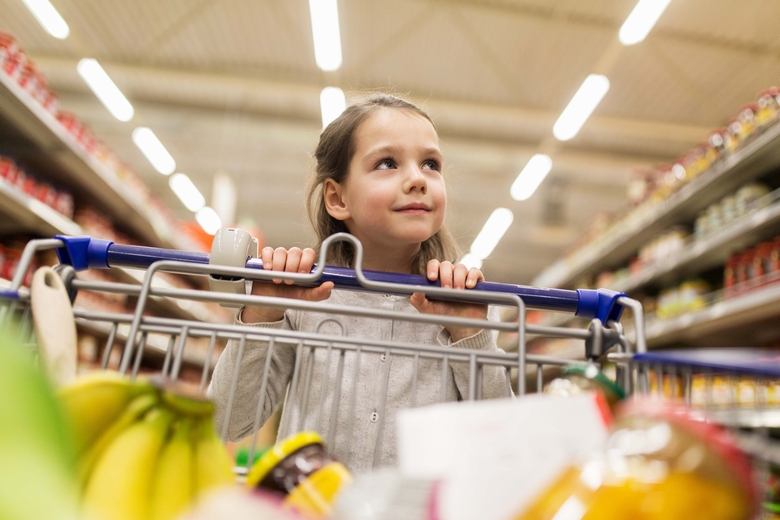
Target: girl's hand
point(295, 260)
point(456, 277)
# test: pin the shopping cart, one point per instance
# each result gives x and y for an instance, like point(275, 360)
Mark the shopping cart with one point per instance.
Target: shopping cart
point(132, 333)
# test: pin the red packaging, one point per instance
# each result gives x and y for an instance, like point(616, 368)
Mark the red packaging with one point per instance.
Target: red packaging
point(29, 185)
point(64, 203)
point(8, 47)
point(774, 257)
point(744, 268)
point(761, 260)
point(8, 170)
point(12, 64)
point(730, 274)
point(46, 193)
point(28, 78)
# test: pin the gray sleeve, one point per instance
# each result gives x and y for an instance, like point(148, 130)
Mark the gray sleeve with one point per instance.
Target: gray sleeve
point(494, 380)
point(252, 364)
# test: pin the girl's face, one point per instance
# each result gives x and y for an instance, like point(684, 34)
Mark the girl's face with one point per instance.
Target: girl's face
point(394, 194)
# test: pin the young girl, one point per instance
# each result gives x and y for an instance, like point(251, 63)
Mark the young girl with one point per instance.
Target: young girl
point(379, 177)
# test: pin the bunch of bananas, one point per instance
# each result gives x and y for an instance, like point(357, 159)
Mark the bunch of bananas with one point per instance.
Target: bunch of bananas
point(146, 450)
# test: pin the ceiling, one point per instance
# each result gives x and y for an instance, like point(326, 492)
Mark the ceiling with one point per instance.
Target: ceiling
point(232, 86)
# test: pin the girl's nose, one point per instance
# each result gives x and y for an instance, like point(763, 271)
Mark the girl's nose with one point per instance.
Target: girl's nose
point(416, 180)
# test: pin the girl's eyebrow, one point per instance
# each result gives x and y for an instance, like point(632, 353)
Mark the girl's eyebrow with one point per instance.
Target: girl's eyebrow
point(389, 148)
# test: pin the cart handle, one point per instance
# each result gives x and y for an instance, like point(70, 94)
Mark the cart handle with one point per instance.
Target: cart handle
point(85, 252)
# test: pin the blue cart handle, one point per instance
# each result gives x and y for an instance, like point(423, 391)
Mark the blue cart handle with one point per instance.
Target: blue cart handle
point(84, 252)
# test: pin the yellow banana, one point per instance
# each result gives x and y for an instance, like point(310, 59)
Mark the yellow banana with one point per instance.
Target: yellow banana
point(213, 465)
point(172, 486)
point(119, 486)
point(134, 411)
point(94, 401)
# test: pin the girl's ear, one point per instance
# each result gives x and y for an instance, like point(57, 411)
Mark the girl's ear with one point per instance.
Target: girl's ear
point(335, 204)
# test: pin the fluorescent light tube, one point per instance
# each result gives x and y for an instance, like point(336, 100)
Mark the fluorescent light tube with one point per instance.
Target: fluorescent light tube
point(188, 193)
point(641, 20)
point(491, 233)
point(154, 150)
point(534, 172)
point(332, 104)
point(470, 261)
point(208, 220)
point(105, 89)
point(325, 30)
point(223, 197)
point(48, 17)
point(580, 107)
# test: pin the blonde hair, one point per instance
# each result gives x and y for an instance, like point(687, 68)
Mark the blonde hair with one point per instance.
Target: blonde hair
point(332, 157)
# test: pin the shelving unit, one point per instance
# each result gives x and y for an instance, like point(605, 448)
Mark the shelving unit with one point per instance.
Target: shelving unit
point(753, 160)
point(728, 315)
point(38, 139)
point(709, 251)
point(28, 214)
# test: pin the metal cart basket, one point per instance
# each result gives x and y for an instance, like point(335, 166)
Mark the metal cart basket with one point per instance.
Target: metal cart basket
point(604, 337)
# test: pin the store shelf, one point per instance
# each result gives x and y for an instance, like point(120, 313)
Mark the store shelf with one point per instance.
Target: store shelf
point(751, 161)
point(28, 214)
point(37, 137)
point(728, 315)
point(708, 252)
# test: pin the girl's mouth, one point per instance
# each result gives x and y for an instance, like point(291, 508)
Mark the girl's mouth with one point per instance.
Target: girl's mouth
point(414, 209)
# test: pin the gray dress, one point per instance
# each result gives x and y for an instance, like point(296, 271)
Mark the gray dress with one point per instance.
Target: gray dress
point(369, 429)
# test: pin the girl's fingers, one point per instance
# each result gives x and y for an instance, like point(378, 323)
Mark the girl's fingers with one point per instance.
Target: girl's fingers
point(280, 259)
point(320, 293)
point(308, 257)
point(433, 270)
point(293, 262)
point(460, 272)
point(474, 276)
point(420, 302)
point(445, 274)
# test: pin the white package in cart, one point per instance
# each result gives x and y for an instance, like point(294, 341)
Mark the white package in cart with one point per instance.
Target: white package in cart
point(494, 457)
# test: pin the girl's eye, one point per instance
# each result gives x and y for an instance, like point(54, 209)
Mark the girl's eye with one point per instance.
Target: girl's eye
point(432, 164)
point(385, 164)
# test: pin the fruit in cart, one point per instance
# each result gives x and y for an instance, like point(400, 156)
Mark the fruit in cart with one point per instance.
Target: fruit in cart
point(134, 412)
point(36, 453)
point(95, 401)
point(213, 465)
point(173, 483)
point(119, 486)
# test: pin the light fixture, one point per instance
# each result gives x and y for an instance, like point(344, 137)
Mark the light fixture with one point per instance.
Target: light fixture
point(325, 30)
point(332, 104)
point(581, 106)
point(223, 197)
point(48, 17)
point(470, 261)
point(154, 150)
point(532, 175)
point(641, 20)
point(208, 220)
point(105, 89)
point(491, 233)
point(188, 193)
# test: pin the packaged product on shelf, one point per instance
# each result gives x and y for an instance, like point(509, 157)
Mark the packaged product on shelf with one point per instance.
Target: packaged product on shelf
point(648, 459)
point(747, 120)
point(9, 259)
point(690, 296)
point(8, 47)
point(768, 107)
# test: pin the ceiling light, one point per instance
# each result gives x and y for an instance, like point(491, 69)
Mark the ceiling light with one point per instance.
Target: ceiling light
point(641, 20)
point(48, 17)
point(154, 150)
point(187, 192)
point(470, 261)
point(105, 89)
point(491, 233)
point(332, 104)
point(325, 30)
point(581, 107)
point(223, 197)
point(534, 172)
point(208, 220)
